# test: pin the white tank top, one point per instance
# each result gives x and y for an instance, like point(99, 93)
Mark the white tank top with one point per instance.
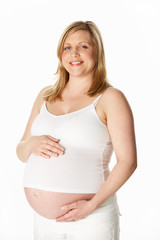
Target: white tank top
point(83, 167)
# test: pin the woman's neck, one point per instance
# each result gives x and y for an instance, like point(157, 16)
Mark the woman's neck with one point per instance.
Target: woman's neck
point(78, 85)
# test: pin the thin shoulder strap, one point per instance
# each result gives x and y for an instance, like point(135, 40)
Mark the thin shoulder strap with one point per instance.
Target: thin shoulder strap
point(96, 100)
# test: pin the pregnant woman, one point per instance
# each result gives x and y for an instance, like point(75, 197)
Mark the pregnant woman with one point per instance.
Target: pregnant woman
point(74, 126)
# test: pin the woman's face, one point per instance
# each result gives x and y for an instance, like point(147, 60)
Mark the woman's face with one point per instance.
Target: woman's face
point(78, 55)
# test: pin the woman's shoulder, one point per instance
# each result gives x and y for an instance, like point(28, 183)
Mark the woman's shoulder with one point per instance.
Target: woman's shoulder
point(39, 99)
point(113, 97)
point(111, 92)
point(41, 93)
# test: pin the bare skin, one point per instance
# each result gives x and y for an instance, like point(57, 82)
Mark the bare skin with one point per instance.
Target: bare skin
point(48, 204)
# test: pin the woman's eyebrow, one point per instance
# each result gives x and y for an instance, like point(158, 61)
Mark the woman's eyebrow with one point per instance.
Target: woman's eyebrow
point(85, 42)
point(66, 43)
point(79, 43)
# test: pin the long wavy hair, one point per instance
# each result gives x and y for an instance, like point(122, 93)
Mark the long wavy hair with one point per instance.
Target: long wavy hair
point(100, 81)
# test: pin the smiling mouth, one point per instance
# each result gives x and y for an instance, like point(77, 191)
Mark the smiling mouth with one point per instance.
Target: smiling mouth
point(78, 63)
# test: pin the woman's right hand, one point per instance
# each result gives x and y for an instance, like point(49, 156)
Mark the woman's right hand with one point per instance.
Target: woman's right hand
point(45, 146)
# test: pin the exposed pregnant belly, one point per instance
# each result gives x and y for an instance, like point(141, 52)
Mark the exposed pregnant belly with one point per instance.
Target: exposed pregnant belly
point(48, 204)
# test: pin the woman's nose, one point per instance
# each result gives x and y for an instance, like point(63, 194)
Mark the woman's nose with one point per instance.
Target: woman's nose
point(74, 52)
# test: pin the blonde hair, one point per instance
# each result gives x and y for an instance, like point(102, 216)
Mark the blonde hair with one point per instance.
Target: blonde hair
point(100, 81)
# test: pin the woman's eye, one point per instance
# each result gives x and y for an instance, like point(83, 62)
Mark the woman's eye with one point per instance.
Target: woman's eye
point(84, 46)
point(66, 48)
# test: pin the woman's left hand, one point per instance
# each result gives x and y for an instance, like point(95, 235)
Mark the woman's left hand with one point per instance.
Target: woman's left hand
point(77, 210)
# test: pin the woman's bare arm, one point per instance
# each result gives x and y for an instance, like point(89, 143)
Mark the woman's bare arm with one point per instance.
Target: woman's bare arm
point(121, 128)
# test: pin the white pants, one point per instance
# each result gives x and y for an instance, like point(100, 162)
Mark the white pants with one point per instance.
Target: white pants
point(101, 224)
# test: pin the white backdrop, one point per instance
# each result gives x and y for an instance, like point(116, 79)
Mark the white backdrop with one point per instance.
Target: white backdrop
point(30, 31)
